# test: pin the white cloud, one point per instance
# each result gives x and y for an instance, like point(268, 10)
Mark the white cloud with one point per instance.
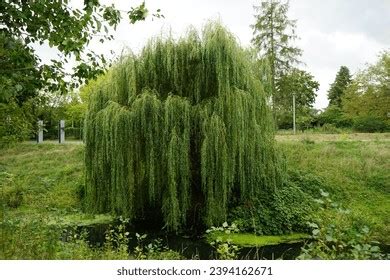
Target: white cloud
point(324, 53)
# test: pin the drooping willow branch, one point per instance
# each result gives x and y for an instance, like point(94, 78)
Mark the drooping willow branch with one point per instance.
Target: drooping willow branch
point(185, 122)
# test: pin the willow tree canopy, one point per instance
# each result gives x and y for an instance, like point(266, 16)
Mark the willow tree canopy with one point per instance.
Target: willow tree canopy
point(182, 127)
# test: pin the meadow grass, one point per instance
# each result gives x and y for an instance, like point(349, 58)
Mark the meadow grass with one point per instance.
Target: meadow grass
point(326, 137)
point(47, 177)
point(356, 174)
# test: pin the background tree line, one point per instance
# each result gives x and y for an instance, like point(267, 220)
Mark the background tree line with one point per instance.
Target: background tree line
point(361, 102)
point(31, 89)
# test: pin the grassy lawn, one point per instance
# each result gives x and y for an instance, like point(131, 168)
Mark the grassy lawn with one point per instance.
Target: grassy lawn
point(320, 137)
point(41, 179)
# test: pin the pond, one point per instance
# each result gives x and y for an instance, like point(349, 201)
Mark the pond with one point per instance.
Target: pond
point(198, 247)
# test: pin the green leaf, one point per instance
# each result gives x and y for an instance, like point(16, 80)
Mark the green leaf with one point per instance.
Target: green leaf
point(328, 238)
point(315, 231)
point(313, 225)
point(18, 87)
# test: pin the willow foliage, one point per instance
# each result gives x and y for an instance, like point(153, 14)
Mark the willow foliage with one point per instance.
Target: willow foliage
point(183, 127)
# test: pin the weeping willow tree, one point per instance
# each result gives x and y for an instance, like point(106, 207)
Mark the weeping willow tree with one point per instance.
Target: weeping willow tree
point(183, 127)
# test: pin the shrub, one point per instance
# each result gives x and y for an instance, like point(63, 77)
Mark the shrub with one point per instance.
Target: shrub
point(335, 243)
point(305, 122)
point(224, 250)
point(14, 125)
point(294, 209)
point(334, 115)
point(307, 182)
point(288, 211)
point(370, 124)
point(74, 132)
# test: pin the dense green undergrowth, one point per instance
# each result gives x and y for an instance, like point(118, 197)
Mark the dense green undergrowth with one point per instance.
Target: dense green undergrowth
point(354, 173)
point(41, 194)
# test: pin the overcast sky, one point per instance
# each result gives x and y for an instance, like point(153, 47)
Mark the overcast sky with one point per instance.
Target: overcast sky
point(332, 33)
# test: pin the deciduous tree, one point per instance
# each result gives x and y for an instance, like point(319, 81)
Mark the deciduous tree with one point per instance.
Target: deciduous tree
point(69, 30)
point(367, 98)
point(301, 84)
point(181, 131)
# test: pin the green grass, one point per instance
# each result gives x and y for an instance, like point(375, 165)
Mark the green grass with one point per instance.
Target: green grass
point(252, 240)
point(46, 177)
point(357, 174)
point(323, 137)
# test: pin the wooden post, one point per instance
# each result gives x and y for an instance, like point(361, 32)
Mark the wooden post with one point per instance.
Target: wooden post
point(40, 132)
point(61, 131)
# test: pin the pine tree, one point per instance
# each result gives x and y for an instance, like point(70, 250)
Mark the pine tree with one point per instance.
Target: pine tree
point(337, 88)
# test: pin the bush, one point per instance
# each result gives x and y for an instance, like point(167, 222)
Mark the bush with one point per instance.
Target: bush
point(370, 124)
point(334, 115)
point(305, 122)
point(74, 132)
point(294, 209)
point(309, 183)
point(14, 125)
point(335, 243)
point(287, 211)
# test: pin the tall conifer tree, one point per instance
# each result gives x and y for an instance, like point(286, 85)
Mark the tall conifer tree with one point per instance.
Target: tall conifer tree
point(337, 88)
point(273, 37)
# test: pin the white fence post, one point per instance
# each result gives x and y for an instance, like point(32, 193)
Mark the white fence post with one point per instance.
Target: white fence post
point(40, 132)
point(61, 131)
